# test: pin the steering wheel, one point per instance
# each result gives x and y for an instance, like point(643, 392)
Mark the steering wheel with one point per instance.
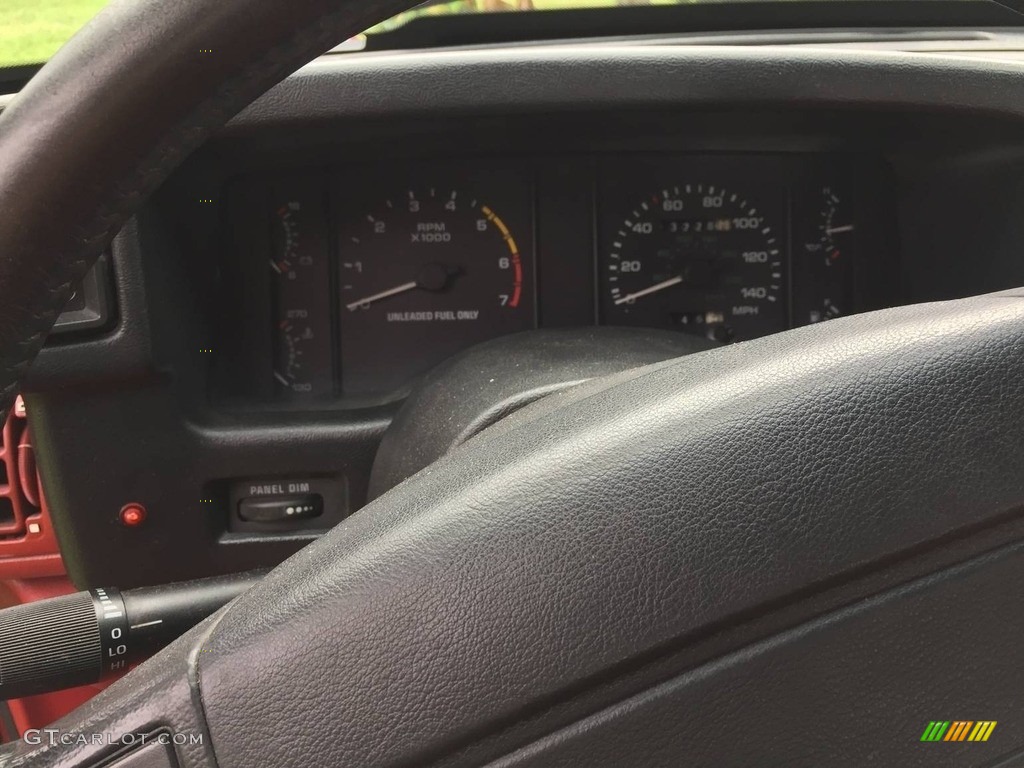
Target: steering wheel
point(797, 550)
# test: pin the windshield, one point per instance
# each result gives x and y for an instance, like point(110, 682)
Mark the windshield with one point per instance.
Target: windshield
point(448, 7)
point(31, 31)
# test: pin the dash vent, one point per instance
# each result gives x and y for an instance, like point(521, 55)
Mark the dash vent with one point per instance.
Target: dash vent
point(14, 507)
point(28, 546)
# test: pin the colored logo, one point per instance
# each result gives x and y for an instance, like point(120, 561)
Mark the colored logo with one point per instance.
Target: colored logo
point(958, 730)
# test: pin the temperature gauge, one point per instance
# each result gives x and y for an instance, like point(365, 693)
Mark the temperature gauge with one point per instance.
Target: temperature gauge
point(825, 272)
point(300, 276)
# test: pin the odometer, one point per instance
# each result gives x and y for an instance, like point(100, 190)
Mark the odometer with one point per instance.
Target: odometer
point(694, 257)
point(425, 272)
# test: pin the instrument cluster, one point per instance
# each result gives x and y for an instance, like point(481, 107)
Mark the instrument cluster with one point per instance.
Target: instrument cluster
point(368, 277)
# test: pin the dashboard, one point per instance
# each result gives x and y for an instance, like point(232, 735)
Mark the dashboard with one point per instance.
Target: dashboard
point(366, 277)
point(278, 299)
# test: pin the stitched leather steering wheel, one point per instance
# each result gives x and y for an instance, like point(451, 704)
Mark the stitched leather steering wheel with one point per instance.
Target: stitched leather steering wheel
point(755, 555)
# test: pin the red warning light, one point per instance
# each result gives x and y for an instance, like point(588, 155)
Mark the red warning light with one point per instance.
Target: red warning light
point(132, 515)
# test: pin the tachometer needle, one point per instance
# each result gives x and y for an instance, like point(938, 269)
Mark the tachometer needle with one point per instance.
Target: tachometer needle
point(653, 289)
point(368, 300)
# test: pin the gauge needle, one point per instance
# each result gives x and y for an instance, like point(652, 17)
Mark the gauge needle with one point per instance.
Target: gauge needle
point(367, 301)
point(653, 289)
point(839, 230)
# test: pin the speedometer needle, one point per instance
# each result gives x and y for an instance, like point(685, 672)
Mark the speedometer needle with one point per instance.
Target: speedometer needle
point(839, 230)
point(368, 300)
point(653, 289)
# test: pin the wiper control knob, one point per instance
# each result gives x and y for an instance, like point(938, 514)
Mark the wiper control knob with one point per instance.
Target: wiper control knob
point(82, 638)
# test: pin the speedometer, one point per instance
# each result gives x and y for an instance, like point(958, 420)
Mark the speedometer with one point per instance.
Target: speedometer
point(695, 257)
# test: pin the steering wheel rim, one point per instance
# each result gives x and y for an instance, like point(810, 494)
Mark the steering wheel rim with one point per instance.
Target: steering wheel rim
point(530, 592)
point(112, 114)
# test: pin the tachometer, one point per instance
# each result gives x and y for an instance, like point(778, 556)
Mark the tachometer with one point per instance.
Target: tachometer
point(695, 257)
point(425, 272)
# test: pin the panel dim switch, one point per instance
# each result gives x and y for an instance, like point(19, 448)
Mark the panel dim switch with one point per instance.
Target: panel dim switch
point(281, 509)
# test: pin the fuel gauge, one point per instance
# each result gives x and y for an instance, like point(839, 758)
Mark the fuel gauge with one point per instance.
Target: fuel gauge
point(300, 276)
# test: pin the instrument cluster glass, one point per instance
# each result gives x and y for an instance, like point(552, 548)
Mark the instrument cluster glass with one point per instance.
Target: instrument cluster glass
point(695, 256)
point(376, 275)
point(730, 248)
point(427, 269)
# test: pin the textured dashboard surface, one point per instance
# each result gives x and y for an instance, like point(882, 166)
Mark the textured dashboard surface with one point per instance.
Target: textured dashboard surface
point(510, 81)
